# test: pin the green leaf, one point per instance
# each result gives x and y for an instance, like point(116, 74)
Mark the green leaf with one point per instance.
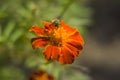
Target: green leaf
point(1, 37)
point(3, 15)
point(8, 30)
point(16, 35)
point(78, 76)
point(11, 73)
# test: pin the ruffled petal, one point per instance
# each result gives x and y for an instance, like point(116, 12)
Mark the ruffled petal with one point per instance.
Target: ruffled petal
point(66, 27)
point(76, 44)
point(52, 52)
point(66, 56)
point(55, 52)
point(77, 37)
point(48, 25)
point(38, 42)
point(39, 31)
point(73, 49)
point(48, 52)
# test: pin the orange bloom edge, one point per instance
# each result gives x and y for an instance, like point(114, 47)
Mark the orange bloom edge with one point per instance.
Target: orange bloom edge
point(61, 41)
point(40, 75)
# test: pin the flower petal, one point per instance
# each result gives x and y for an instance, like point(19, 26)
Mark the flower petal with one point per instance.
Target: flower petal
point(48, 25)
point(48, 52)
point(76, 36)
point(76, 44)
point(73, 49)
point(52, 52)
point(55, 52)
point(40, 75)
point(39, 31)
point(68, 28)
point(66, 56)
point(38, 42)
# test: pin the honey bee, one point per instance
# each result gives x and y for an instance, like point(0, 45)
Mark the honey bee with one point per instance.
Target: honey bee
point(56, 22)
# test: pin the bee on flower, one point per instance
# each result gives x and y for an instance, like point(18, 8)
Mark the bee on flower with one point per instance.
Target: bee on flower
point(61, 41)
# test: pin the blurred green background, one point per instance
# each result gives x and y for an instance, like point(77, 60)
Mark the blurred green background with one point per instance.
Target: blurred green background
point(17, 58)
point(97, 21)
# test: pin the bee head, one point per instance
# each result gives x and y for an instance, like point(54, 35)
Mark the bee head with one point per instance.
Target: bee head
point(56, 22)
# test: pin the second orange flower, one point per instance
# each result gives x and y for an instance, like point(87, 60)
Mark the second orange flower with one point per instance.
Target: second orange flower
point(61, 41)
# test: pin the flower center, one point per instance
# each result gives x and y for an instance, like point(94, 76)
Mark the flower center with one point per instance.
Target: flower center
point(57, 37)
point(55, 41)
point(54, 38)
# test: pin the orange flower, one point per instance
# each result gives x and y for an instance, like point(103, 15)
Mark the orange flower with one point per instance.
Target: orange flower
point(40, 75)
point(63, 43)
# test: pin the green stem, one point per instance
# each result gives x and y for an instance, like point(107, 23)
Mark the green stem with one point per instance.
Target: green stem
point(65, 9)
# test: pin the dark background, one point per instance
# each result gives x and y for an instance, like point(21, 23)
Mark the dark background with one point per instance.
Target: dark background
point(103, 45)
